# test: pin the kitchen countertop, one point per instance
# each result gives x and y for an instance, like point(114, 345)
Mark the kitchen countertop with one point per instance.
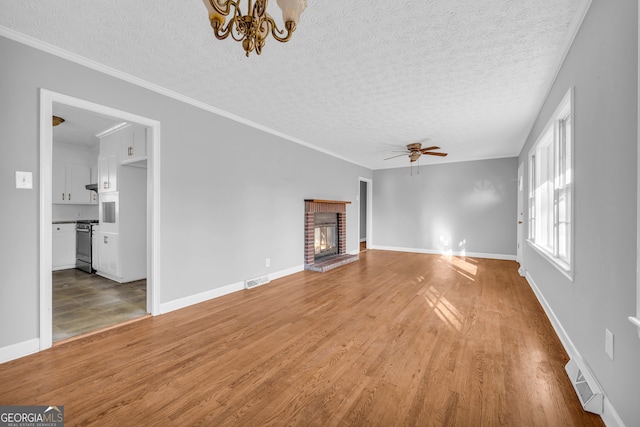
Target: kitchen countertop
point(70, 221)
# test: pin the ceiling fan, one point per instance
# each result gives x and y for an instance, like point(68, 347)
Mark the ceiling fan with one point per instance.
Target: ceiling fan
point(415, 150)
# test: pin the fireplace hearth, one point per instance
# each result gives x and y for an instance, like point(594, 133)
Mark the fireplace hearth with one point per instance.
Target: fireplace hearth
point(325, 235)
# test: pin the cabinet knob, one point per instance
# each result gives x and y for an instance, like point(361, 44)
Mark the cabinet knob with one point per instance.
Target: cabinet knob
point(105, 240)
point(62, 196)
point(69, 196)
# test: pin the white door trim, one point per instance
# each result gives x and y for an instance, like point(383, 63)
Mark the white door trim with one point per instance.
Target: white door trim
point(47, 98)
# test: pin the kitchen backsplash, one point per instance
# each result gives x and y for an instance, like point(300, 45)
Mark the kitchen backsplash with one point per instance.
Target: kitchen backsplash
point(74, 212)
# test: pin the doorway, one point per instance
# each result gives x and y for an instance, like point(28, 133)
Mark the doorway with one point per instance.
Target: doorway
point(47, 101)
point(365, 214)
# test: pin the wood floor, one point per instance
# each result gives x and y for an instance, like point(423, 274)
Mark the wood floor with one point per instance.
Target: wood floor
point(393, 339)
point(85, 302)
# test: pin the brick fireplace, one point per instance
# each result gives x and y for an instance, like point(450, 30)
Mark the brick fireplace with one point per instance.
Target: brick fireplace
point(313, 207)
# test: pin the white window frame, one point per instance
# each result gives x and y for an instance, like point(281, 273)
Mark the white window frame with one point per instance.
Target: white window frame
point(545, 218)
point(636, 320)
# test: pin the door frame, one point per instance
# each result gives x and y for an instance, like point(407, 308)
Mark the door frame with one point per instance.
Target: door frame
point(369, 207)
point(520, 215)
point(47, 98)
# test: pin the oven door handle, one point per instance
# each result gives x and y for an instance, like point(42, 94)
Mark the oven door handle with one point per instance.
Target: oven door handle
point(83, 230)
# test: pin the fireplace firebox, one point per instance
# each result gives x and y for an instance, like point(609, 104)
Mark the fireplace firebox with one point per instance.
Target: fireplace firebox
point(325, 235)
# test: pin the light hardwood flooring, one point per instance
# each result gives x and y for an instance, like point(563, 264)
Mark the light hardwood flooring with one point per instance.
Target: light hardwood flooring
point(393, 339)
point(85, 302)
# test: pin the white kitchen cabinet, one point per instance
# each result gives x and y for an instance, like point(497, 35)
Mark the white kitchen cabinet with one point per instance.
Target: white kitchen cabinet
point(69, 181)
point(63, 251)
point(108, 251)
point(133, 145)
point(107, 173)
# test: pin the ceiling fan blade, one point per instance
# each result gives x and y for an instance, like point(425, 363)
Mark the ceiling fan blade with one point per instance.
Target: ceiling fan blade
point(436, 154)
point(429, 149)
point(393, 157)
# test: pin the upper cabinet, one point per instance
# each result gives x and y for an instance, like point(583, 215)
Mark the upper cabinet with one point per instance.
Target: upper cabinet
point(133, 147)
point(107, 173)
point(69, 181)
point(73, 168)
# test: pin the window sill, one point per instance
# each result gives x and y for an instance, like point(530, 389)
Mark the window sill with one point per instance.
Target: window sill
point(562, 266)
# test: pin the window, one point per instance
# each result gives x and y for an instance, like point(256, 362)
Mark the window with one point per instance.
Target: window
point(550, 188)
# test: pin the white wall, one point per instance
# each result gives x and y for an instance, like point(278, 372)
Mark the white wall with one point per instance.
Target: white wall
point(231, 195)
point(461, 207)
point(602, 67)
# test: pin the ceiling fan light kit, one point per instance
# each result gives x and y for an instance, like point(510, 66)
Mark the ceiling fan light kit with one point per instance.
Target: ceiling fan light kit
point(55, 120)
point(253, 28)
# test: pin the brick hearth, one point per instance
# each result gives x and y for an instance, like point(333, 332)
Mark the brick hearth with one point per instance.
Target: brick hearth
point(313, 206)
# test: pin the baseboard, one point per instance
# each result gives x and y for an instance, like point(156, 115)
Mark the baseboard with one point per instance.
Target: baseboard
point(451, 253)
point(21, 349)
point(222, 291)
point(610, 416)
point(286, 272)
point(170, 306)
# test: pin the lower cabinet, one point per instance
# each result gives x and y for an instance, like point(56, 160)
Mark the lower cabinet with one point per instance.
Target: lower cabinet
point(108, 254)
point(63, 250)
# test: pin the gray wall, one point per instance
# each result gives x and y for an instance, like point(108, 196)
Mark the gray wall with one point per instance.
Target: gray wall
point(468, 206)
point(602, 66)
point(231, 195)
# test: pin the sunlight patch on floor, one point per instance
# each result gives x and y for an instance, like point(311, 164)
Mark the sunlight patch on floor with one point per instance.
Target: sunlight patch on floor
point(443, 308)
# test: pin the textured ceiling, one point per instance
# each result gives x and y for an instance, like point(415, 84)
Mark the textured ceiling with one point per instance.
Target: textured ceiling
point(80, 126)
point(359, 79)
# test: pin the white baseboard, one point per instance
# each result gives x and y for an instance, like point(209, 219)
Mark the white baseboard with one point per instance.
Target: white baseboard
point(21, 349)
point(221, 291)
point(63, 267)
point(610, 416)
point(452, 253)
point(286, 272)
point(201, 297)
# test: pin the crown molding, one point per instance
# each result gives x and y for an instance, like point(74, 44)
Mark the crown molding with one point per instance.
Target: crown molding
point(105, 69)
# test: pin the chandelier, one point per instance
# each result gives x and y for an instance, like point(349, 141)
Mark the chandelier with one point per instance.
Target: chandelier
point(253, 28)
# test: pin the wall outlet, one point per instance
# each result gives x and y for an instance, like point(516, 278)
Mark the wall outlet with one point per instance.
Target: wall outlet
point(267, 262)
point(608, 343)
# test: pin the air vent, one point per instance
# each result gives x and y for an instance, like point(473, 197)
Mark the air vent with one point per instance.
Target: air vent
point(585, 385)
point(252, 283)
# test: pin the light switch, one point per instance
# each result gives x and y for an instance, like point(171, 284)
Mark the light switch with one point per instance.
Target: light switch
point(24, 180)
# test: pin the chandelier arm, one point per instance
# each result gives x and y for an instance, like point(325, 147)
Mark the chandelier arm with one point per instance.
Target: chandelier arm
point(275, 31)
point(222, 33)
point(237, 35)
point(223, 7)
point(260, 8)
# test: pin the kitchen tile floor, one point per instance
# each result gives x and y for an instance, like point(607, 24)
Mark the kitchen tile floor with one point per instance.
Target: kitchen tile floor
point(85, 302)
